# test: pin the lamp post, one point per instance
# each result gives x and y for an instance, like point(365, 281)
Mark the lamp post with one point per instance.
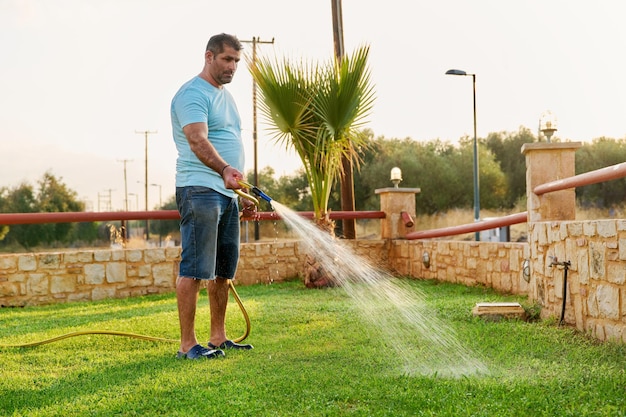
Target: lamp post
point(136, 200)
point(476, 181)
point(160, 200)
point(547, 125)
point(160, 208)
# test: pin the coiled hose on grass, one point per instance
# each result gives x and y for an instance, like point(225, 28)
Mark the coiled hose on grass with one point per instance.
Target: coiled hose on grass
point(134, 335)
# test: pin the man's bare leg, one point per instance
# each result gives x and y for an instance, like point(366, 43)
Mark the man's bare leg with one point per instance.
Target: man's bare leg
point(187, 297)
point(218, 300)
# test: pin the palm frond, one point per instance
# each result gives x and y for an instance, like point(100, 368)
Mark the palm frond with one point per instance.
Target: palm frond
point(316, 110)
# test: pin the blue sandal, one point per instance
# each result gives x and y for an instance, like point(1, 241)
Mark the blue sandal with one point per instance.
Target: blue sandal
point(229, 344)
point(199, 352)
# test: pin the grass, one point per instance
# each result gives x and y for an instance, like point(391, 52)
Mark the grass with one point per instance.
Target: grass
point(313, 356)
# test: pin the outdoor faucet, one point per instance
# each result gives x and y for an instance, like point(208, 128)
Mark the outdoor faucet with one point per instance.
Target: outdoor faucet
point(555, 262)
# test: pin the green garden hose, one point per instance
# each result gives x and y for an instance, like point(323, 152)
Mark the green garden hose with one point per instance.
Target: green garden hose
point(133, 335)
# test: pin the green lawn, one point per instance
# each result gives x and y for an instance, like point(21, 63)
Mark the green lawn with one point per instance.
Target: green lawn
point(314, 356)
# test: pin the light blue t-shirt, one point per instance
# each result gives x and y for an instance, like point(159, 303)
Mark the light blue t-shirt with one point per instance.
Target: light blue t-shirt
point(199, 101)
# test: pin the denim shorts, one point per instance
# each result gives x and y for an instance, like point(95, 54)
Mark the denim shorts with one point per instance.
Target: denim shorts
point(209, 229)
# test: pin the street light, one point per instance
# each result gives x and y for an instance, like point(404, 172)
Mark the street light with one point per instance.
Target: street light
point(160, 200)
point(160, 208)
point(476, 181)
point(136, 200)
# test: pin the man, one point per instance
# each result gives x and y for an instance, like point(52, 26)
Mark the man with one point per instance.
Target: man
point(207, 132)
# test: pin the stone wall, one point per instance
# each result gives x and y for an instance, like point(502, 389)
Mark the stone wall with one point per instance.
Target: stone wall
point(492, 264)
point(45, 278)
point(595, 291)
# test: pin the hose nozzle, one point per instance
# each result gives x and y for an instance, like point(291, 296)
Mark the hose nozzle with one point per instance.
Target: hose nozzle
point(255, 190)
point(260, 194)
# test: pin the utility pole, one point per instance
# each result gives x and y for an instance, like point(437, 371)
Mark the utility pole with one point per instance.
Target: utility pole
point(124, 161)
point(254, 42)
point(124, 226)
point(146, 133)
point(347, 180)
point(106, 199)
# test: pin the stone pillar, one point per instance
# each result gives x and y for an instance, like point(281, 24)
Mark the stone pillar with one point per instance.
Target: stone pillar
point(546, 162)
point(394, 201)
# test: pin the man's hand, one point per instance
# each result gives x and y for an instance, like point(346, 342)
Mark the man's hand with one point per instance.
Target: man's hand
point(231, 177)
point(249, 208)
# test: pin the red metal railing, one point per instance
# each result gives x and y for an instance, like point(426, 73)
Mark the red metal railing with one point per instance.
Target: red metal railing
point(591, 177)
point(472, 227)
point(612, 172)
point(79, 217)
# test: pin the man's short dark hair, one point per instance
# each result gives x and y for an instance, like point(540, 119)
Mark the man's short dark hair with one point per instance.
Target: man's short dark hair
point(217, 43)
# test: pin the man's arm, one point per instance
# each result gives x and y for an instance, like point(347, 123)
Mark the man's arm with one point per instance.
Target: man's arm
point(197, 136)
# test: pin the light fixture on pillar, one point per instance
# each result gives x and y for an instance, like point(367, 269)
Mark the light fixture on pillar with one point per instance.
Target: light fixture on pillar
point(526, 270)
point(547, 124)
point(396, 176)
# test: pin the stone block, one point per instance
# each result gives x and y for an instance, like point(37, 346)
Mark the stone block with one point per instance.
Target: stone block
point(134, 255)
point(79, 296)
point(172, 253)
point(81, 257)
point(154, 255)
point(102, 293)
point(574, 228)
point(102, 255)
point(8, 263)
point(164, 275)
point(589, 228)
point(116, 272)
point(139, 282)
point(37, 284)
point(62, 284)
point(582, 262)
point(50, 261)
point(27, 263)
point(118, 255)
point(613, 332)
point(9, 289)
point(608, 301)
point(607, 228)
point(94, 274)
point(144, 270)
point(498, 311)
point(597, 258)
point(616, 273)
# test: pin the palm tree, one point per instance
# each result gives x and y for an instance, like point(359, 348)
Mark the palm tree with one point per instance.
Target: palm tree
point(317, 110)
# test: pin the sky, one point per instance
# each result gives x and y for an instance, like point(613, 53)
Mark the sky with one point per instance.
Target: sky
point(80, 80)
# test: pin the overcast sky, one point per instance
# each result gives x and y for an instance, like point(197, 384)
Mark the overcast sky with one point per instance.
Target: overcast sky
point(80, 77)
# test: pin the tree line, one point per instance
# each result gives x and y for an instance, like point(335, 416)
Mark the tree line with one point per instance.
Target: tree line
point(444, 173)
point(442, 170)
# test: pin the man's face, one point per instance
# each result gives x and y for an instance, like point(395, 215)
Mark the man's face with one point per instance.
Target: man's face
point(224, 65)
